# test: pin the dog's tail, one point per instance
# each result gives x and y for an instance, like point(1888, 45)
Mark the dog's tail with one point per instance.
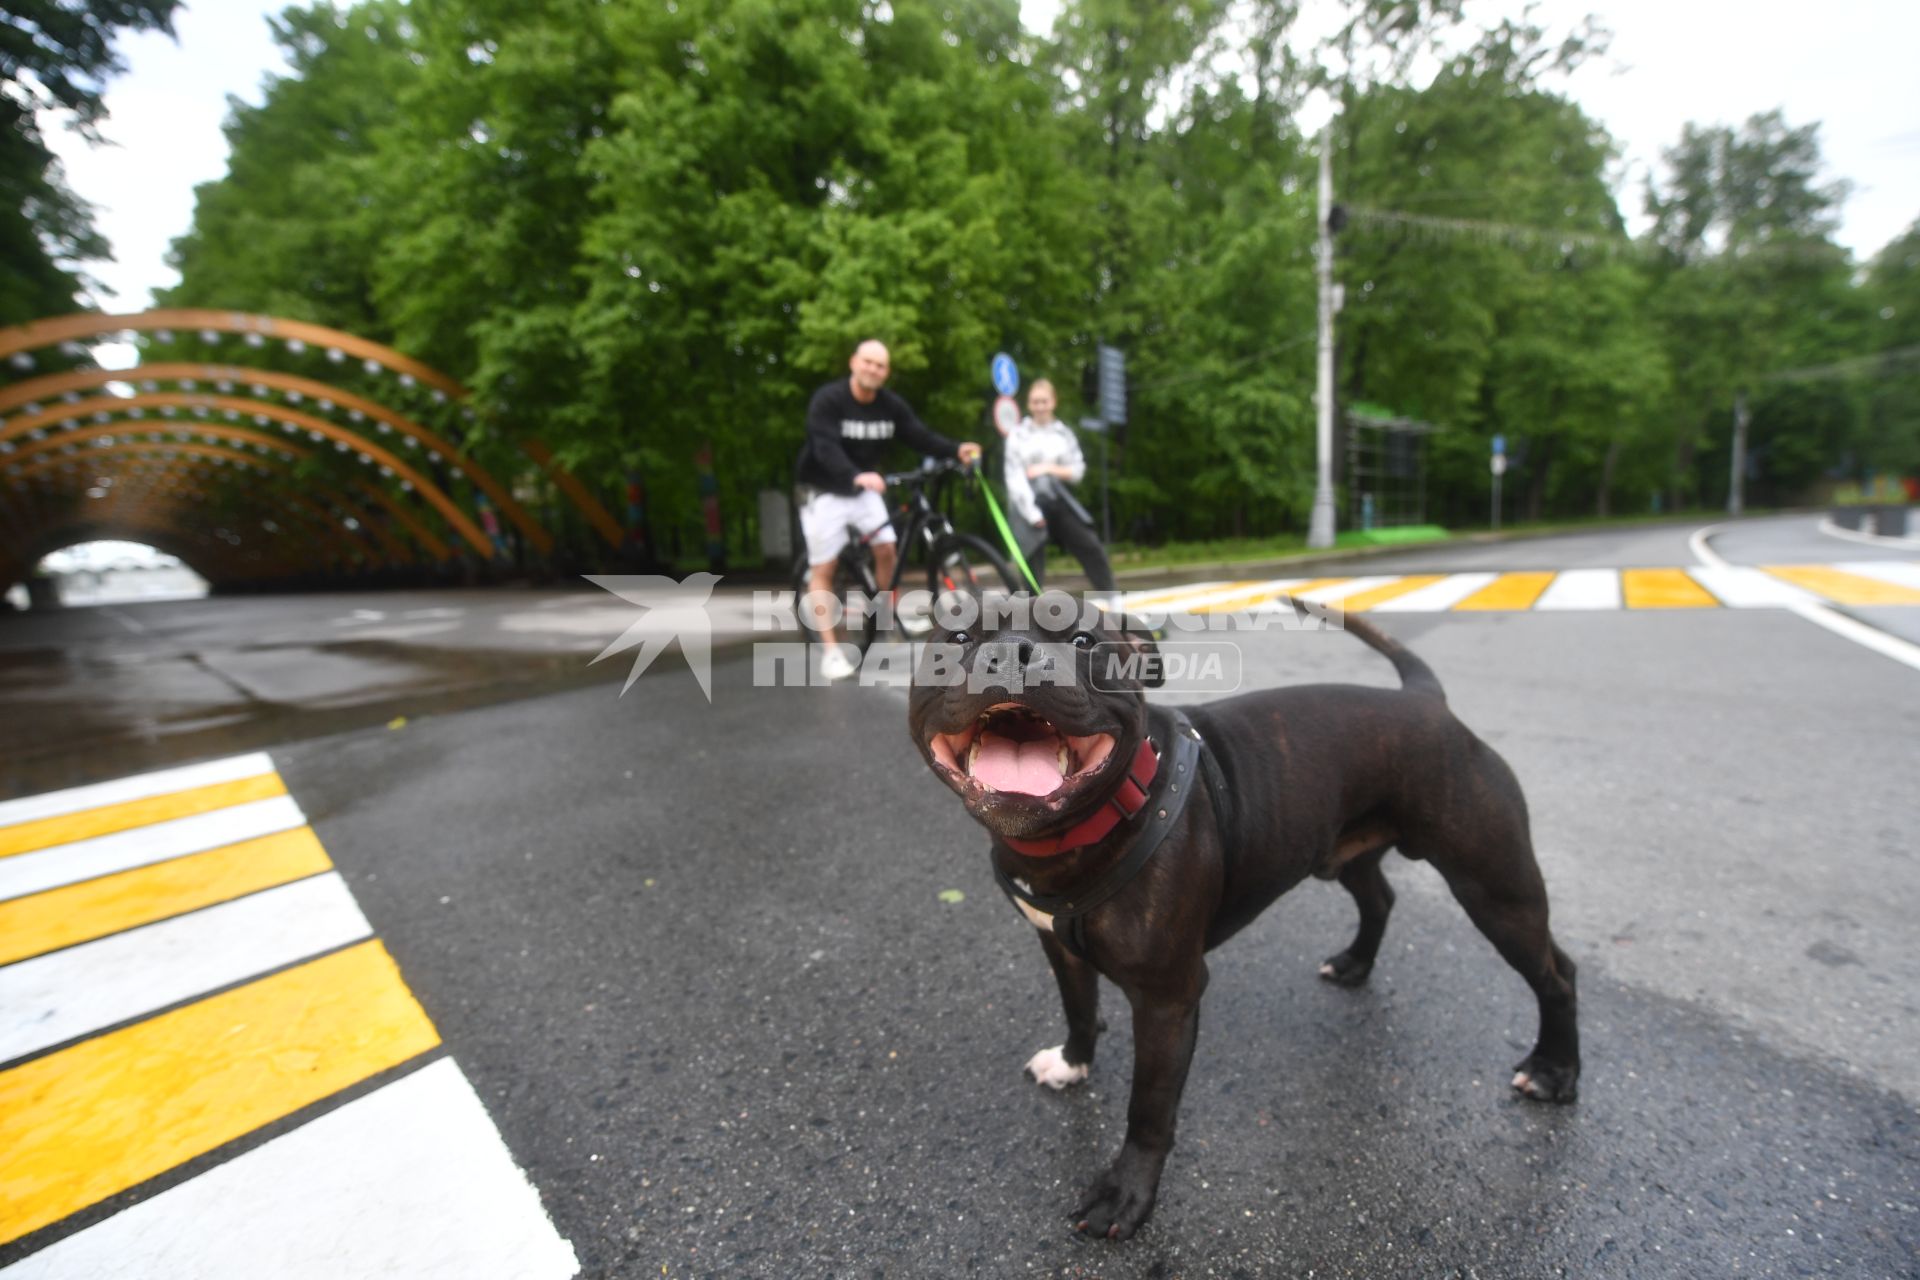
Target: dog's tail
point(1415, 675)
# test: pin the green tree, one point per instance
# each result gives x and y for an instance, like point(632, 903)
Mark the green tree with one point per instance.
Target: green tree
point(55, 59)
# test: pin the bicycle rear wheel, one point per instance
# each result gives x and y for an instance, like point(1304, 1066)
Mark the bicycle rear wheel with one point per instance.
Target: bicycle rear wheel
point(963, 562)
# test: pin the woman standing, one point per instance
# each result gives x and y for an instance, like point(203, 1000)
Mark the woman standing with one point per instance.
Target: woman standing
point(1042, 459)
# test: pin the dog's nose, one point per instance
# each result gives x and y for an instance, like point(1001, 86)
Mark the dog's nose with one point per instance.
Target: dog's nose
point(1005, 660)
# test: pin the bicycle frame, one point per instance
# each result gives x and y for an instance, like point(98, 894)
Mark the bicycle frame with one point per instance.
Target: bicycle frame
point(923, 521)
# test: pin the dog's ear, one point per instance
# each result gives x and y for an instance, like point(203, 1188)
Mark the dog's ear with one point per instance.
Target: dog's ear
point(1139, 640)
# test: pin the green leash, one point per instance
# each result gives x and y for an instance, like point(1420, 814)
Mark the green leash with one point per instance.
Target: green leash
point(1006, 535)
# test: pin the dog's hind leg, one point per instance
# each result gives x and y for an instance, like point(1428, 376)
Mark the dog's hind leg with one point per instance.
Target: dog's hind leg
point(1510, 908)
point(1374, 896)
point(1068, 1063)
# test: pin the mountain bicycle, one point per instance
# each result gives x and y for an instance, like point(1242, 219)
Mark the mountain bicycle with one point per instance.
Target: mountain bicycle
point(953, 561)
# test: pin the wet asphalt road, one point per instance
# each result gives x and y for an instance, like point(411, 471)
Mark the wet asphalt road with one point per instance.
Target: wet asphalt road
point(696, 960)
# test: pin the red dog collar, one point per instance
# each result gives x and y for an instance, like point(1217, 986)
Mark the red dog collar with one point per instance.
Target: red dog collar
point(1128, 799)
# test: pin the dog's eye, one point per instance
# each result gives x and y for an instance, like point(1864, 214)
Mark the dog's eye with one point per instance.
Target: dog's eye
point(1083, 640)
point(959, 637)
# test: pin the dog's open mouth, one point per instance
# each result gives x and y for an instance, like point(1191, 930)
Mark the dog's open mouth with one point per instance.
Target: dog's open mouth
point(1014, 751)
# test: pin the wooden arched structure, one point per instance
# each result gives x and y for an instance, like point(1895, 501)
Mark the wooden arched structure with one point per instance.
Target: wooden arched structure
point(402, 499)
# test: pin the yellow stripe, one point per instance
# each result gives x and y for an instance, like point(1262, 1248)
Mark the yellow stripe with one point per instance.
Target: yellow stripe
point(24, 837)
point(1362, 601)
point(1170, 597)
point(109, 1113)
point(1663, 589)
point(1844, 588)
point(1508, 591)
point(1261, 592)
point(74, 913)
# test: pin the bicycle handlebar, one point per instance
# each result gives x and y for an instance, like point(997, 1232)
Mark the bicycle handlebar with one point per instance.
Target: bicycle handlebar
point(921, 475)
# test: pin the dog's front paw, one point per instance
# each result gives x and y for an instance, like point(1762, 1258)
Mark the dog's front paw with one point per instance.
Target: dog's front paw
point(1051, 1068)
point(1346, 969)
point(1547, 1081)
point(1120, 1199)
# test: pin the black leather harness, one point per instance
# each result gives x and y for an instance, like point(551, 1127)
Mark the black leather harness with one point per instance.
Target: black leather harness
point(1181, 764)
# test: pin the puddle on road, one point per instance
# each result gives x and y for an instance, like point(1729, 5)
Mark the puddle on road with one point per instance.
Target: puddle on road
point(78, 716)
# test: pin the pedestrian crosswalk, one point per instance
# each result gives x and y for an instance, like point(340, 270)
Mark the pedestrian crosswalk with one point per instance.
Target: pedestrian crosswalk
point(1861, 582)
point(181, 967)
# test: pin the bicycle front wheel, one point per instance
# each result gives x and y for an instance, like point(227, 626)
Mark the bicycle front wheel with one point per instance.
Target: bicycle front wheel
point(963, 562)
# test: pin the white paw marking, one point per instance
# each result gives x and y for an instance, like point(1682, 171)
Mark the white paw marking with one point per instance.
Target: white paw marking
point(1050, 1068)
point(1326, 970)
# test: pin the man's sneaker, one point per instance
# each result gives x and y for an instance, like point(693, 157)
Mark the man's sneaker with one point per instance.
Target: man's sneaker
point(913, 624)
point(835, 665)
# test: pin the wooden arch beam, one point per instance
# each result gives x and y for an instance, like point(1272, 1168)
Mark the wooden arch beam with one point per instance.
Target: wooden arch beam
point(432, 543)
point(37, 391)
point(322, 524)
point(123, 405)
point(91, 324)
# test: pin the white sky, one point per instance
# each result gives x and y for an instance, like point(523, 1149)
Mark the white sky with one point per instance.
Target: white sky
point(1845, 63)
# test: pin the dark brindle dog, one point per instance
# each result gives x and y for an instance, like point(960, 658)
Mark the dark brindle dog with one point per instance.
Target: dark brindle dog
point(1086, 791)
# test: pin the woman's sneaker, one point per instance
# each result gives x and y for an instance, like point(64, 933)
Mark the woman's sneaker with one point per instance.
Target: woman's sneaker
point(835, 665)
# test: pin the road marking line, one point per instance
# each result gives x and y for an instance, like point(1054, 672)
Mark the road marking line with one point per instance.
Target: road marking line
point(58, 997)
point(1365, 600)
point(123, 850)
point(1842, 587)
point(1820, 615)
point(1583, 589)
point(74, 799)
point(1860, 633)
point(1337, 591)
point(1166, 597)
point(410, 1180)
point(109, 1113)
point(1439, 596)
point(1832, 530)
point(1894, 571)
point(1510, 591)
point(1260, 593)
point(77, 913)
point(1742, 586)
point(1663, 589)
point(66, 828)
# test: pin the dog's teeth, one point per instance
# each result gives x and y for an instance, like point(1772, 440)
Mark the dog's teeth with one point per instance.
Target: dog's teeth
point(973, 755)
point(1066, 761)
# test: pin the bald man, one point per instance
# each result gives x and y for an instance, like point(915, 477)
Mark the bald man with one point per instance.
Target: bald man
point(851, 424)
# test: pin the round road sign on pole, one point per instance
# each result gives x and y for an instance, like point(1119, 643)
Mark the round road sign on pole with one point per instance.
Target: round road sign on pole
point(1006, 374)
point(1006, 414)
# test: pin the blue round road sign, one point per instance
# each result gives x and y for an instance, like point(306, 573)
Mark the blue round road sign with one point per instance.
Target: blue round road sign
point(1006, 375)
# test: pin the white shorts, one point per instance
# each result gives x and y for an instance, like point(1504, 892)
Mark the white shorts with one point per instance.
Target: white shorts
point(825, 518)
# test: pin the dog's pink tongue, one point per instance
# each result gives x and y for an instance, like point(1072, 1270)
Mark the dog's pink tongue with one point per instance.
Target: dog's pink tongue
point(1026, 768)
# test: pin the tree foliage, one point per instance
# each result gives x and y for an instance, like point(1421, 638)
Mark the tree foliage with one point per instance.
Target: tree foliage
point(55, 59)
point(641, 231)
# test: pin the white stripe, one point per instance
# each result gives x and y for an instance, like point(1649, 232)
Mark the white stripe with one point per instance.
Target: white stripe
point(1700, 542)
point(1899, 574)
point(1241, 597)
point(54, 998)
point(25, 873)
point(1832, 530)
point(1745, 587)
point(1862, 634)
point(1341, 590)
point(411, 1180)
point(1165, 597)
point(142, 787)
point(1434, 597)
point(1582, 589)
